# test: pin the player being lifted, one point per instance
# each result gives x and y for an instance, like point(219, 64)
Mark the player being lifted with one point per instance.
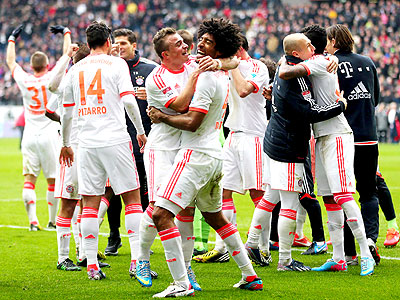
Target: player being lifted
point(101, 87)
point(40, 140)
point(197, 169)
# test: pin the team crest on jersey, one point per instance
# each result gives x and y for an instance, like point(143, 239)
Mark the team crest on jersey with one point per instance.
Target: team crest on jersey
point(70, 189)
point(300, 182)
point(253, 75)
point(306, 95)
point(139, 80)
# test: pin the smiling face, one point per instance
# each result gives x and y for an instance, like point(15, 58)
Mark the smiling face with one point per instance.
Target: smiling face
point(177, 50)
point(126, 48)
point(330, 46)
point(206, 46)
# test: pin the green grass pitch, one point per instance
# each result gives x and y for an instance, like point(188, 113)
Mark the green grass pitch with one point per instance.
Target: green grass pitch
point(28, 259)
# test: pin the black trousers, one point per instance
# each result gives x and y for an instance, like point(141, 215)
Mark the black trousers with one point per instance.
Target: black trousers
point(385, 198)
point(365, 167)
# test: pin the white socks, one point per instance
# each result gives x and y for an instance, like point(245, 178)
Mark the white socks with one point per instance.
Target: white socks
point(52, 203)
point(90, 236)
point(133, 215)
point(63, 238)
point(335, 227)
point(147, 234)
point(29, 197)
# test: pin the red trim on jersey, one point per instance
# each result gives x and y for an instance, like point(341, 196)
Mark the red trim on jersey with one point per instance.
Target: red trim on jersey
point(255, 86)
point(305, 67)
point(169, 102)
point(49, 111)
point(157, 78)
point(198, 109)
point(175, 175)
point(69, 104)
point(341, 167)
point(127, 93)
point(11, 41)
point(174, 72)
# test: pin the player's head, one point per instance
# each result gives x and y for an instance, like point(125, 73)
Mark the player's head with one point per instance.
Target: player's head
point(317, 36)
point(82, 52)
point(39, 61)
point(244, 47)
point(218, 38)
point(271, 65)
point(169, 46)
point(187, 38)
point(298, 45)
point(98, 34)
point(339, 38)
point(126, 39)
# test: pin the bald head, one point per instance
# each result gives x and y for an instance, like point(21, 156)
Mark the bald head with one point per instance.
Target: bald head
point(297, 44)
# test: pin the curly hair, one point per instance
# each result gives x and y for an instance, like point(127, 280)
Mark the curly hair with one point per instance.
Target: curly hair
point(97, 34)
point(317, 36)
point(226, 35)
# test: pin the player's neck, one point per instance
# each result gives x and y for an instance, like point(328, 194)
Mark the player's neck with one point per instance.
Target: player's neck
point(39, 74)
point(99, 50)
point(172, 66)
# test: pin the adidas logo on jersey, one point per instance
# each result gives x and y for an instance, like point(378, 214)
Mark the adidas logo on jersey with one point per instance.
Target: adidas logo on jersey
point(359, 92)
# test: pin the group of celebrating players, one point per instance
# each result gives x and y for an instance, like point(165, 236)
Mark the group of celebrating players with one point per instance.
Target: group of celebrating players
point(99, 92)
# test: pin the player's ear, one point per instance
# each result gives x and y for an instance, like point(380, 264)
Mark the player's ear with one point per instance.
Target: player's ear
point(164, 54)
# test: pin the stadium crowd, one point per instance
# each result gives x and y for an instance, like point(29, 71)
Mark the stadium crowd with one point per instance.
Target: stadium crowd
point(375, 27)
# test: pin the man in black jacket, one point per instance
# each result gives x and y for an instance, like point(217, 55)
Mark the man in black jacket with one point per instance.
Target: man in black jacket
point(359, 81)
point(139, 69)
point(286, 143)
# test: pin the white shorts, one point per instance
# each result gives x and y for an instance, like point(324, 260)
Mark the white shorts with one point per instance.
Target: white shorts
point(194, 175)
point(67, 180)
point(334, 164)
point(157, 164)
point(40, 151)
point(243, 163)
point(116, 162)
point(267, 170)
point(286, 176)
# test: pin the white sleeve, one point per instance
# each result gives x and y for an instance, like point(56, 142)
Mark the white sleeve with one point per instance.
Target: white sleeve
point(160, 93)
point(315, 66)
point(58, 72)
point(132, 109)
point(258, 76)
point(19, 74)
point(67, 112)
point(205, 90)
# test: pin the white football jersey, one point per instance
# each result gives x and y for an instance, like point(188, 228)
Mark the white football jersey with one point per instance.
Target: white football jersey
point(95, 85)
point(249, 114)
point(35, 95)
point(326, 91)
point(210, 98)
point(162, 87)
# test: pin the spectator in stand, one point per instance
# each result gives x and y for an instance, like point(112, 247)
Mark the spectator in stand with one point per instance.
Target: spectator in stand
point(382, 124)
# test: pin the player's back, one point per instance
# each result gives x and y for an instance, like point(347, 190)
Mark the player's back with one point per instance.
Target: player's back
point(326, 91)
point(211, 98)
point(96, 84)
point(35, 95)
point(248, 114)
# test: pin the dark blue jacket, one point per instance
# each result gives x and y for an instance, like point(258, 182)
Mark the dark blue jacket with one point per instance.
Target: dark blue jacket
point(293, 110)
point(139, 69)
point(359, 81)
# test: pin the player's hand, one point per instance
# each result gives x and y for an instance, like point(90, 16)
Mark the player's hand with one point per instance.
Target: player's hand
point(141, 93)
point(58, 29)
point(115, 50)
point(333, 65)
point(16, 32)
point(66, 156)
point(282, 60)
point(73, 48)
point(154, 114)
point(142, 140)
point(267, 92)
point(343, 99)
point(206, 63)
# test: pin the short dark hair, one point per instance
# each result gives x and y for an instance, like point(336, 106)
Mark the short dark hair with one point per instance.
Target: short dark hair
point(225, 33)
point(317, 36)
point(159, 40)
point(245, 43)
point(97, 34)
point(271, 65)
point(125, 32)
point(342, 35)
point(187, 37)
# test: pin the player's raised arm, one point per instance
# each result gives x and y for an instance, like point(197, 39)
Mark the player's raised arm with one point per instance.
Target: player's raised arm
point(67, 35)
point(61, 67)
point(10, 58)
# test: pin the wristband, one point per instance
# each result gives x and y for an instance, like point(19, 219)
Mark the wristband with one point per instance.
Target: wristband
point(66, 30)
point(219, 64)
point(11, 39)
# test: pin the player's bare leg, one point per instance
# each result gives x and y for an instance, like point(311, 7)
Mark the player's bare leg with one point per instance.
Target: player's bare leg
point(29, 198)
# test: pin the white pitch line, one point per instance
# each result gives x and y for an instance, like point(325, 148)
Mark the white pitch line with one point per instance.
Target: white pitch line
point(125, 235)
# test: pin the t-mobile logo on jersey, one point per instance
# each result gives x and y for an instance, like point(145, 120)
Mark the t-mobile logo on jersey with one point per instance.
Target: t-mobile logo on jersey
point(346, 67)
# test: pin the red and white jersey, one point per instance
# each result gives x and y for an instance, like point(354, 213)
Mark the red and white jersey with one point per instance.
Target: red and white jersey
point(326, 91)
point(211, 98)
point(162, 87)
point(96, 85)
point(248, 114)
point(35, 94)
